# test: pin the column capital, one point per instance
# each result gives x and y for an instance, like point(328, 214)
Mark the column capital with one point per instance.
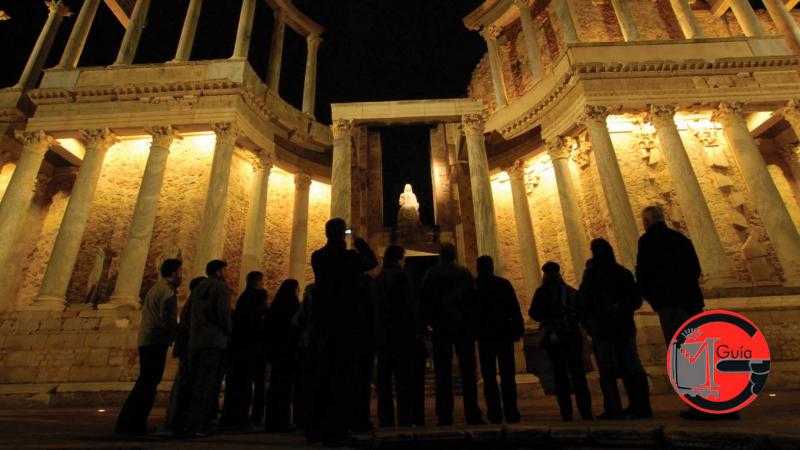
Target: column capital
point(341, 128)
point(516, 171)
point(227, 132)
point(594, 113)
point(557, 148)
point(264, 160)
point(521, 4)
point(58, 7)
point(100, 138)
point(473, 124)
point(313, 41)
point(662, 112)
point(491, 32)
point(791, 150)
point(792, 111)
point(302, 181)
point(726, 111)
point(163, 136)
point(35, 141)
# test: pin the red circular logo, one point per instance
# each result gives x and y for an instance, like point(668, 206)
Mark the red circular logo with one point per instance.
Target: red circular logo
point(718, 361)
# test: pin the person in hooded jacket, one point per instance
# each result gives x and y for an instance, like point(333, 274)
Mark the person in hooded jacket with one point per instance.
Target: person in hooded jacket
point(501, 325)
point(609, 297)
point(282, 354)
point(555, 306)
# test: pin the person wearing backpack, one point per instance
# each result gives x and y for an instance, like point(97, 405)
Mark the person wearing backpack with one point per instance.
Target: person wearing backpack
point(609, 297)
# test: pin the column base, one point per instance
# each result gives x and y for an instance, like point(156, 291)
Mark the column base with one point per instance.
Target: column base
point(46, 303)
point(116, 302)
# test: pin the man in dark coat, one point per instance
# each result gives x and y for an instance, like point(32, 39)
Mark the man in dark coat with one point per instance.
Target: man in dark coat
point(337, 272)
point(398, 331)
point(555, 306)
point(448, 301)
point(501, 325)
point(209, 337)
point(246, 356)
point(608, 298)
point(668, 272)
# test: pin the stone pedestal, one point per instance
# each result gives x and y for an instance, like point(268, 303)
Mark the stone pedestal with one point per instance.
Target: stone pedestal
point(77, 38)
point(211, 239)
point(495, 64)
point(310, 82)
point(184, 51)
point(686, 19)
point(134, 257)
point(341, 182)
point(619, 206)
point(70, 234)
point(525, 237)
point(244, 32)
point(768, 202)
point(695, 210)
point(41, 50)
point(485, 222)
point(569, 198)
point(253, 248)
point(299, 241)
point(130, 42)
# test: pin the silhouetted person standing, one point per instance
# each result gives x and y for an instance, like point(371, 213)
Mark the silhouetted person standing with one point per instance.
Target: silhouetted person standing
point(246, 355)
point(668, 272)
point(501, 325)
point(555, 307)
point(181, 393)
point(364, 329)
point(282, 353)
point(336, 278)
point(158, 329)
point(609, 297)
point(302, 322)
point(398, 330)
point(209, 337)
point(448, 300)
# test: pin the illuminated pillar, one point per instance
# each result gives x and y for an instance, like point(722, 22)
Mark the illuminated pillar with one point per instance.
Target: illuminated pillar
point(490, 34)
point(626, 23)
point(310, 84)
point(253, 248)
point(619, 206)
point(186, 43)
point(73, 225)
point(531, 42)
point(784, 22)
point(77, 38)
point(245, 31)
point(341, 186)
point(746, 17)
point(211, 240)
point(562, 10)
point(134, 256)
point(276, 53)
point(133, 34)
point(299, 240)
point(19, 192)
point(483, 203)
point(695, 210)
point(569, 197)
point(41, 50)
point(768, 202)
point(522, 218)
point(686, 19)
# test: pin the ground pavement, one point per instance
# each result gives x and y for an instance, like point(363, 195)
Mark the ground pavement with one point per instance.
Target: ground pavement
point(770, 422)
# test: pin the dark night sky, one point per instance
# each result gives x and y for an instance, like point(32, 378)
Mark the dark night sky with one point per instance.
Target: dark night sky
point(372, 50)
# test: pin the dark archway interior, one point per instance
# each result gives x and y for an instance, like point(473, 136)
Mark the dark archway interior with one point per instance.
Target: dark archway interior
point(406, 159)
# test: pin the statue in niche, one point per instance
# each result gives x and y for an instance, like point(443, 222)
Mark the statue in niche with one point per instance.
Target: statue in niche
point(97, 284)
point(408, 223)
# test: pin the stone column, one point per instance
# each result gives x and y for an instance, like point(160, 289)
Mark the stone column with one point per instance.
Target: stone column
point(211, 240)
point(41, 50)
point(299, 240)
point(746, 17)
point(186, 43)
point(569, 197)
point(245, 31)
point(73, 225)
point(619, 206)
point(531, 41)
point(791, 154)
point(766, 198)
point(483, 203)
point(562, 10)
point(276, 53)
point(522, 218)
point(792, 115)
point(695, 210)
point(341, 186)
point(784, 22)
point(130, 43)
point(686, 19)
point(19, 192)
point(77, 38)
point(310, 85)
point(626, 23)
point(134, 256)
point(490, 34)
point(253, 248)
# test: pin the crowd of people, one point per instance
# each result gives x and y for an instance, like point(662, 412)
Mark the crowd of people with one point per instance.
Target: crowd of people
point(353, 330)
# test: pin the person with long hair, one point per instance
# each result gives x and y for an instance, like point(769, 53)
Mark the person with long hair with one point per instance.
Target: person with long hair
point(281, 352)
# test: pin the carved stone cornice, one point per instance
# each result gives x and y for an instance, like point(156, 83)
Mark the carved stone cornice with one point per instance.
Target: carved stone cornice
point(163, 136)
point(341, 128)
point(98, 139)
point(473, 124)
point(557, 148)
point(34, 141)
point(302, 181)
point(227, 133)
point(491, 32)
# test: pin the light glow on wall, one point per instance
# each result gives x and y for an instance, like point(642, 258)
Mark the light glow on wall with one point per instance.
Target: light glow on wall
point(73, 146)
